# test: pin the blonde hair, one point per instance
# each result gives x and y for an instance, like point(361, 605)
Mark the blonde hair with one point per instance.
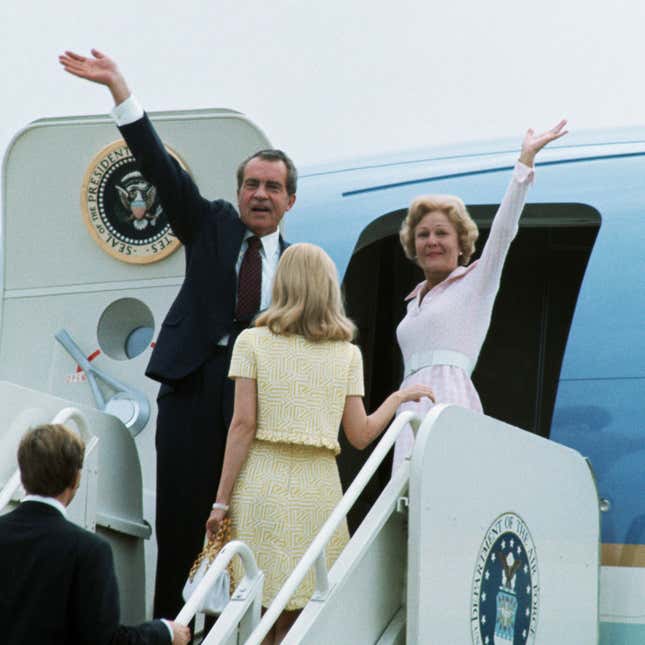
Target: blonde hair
point(306, 297)
point(454, 209)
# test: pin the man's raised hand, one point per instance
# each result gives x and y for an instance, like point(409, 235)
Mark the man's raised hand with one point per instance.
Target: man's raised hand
point(99, 69)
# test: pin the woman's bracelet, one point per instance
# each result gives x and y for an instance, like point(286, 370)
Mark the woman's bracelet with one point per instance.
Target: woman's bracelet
point(221, 507)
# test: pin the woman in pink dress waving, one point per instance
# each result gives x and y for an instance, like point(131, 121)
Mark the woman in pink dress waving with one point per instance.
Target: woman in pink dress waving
point(449, 312)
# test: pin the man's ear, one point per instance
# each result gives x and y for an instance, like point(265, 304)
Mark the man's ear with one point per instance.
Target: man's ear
point(68, 494)
point(74, 487)
point(292, 201)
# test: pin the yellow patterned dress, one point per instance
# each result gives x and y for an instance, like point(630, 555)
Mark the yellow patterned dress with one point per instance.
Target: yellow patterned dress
point(289, 483)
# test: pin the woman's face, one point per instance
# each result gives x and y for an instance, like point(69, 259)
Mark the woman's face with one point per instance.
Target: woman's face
point(436, 245)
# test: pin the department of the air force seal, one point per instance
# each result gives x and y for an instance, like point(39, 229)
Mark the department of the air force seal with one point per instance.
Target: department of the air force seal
point(121, 209)
point(505, 592)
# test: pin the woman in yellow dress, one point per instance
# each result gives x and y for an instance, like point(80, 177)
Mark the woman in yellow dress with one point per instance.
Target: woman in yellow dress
point(297, 375)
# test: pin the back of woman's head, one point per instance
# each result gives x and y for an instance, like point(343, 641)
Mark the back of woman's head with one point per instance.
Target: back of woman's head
point(306, 297)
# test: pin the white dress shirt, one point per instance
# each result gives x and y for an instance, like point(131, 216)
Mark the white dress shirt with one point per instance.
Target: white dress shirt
point(127, 111)
point(50, 501)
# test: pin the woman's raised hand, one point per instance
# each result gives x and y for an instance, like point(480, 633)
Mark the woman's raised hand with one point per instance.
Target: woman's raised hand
point(99, 69)
point(533, 143)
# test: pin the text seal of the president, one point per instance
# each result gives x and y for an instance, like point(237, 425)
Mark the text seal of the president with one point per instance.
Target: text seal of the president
point(122, 209)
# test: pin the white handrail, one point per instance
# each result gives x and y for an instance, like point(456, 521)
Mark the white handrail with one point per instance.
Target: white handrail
point(229, 550)
point(9, 489)
point(74, 414)
point(66, 414)
point(330, 526)
point(322, 579)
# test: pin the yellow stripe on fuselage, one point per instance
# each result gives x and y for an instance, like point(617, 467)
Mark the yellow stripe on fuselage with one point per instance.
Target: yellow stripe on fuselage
point(623, 555)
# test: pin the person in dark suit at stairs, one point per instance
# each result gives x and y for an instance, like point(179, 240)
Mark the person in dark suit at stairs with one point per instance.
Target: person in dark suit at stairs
point(57, 581)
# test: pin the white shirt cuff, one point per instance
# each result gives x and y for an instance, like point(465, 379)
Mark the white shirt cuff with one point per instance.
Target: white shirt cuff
point(127, 111)
point(524, 173)
point(167, 624)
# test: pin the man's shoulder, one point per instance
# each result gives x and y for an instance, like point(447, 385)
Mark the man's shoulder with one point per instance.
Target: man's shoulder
point(29, 512)
point(35, 519)
point(83, 536)
point(86, 541)
point(227, 211)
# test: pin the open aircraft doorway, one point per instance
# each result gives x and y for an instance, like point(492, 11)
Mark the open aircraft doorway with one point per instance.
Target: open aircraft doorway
point(518, 369)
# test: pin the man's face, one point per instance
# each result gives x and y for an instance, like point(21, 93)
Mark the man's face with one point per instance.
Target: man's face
point(263, 198)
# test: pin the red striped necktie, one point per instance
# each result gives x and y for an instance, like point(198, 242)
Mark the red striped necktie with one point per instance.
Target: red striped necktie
point(249, 286)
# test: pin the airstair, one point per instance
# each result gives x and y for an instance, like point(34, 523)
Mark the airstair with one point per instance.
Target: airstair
point(489, 534)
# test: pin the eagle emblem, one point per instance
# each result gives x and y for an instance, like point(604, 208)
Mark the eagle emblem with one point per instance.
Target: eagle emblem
point(138, 199)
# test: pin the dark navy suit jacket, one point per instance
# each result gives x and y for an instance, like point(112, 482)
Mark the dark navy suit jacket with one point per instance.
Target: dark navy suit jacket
point(58, 586)
point(212, 234)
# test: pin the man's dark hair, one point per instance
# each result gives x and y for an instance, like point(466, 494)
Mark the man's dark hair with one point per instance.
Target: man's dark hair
point(272, 154)
point(49, 457)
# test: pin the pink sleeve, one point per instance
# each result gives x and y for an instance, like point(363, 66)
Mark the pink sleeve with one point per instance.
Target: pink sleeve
point(504, 226)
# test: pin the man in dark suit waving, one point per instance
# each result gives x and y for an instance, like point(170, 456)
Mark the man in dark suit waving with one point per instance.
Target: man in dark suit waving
point(230, 262)
point(57, 581)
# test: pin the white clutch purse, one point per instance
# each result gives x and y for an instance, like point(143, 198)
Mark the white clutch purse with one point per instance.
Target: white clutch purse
point(220, 593)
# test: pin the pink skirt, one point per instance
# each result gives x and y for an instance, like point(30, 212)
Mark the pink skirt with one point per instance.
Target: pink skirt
point(451, 385)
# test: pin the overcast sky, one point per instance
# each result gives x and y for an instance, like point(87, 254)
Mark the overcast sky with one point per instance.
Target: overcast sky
point(339, 77)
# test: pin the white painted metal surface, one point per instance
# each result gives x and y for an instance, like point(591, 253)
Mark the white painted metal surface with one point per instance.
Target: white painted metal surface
point(468, 470)
point(83, 509)
point(9, 490)
point(622, 595)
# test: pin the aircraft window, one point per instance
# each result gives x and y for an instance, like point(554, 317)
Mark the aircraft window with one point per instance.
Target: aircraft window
point(125, 329)
point(138, 340)
point(530, 322)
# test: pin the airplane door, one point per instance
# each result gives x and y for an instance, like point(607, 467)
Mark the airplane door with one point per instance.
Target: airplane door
point(86, 249)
